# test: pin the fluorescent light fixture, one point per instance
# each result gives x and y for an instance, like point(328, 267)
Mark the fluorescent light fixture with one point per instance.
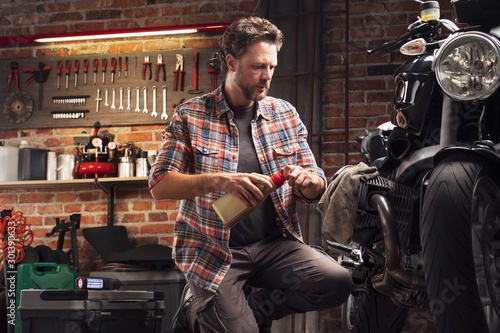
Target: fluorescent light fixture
point(113, 34)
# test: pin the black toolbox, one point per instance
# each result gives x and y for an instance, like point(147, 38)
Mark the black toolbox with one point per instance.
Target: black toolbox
point(103, 311)
point(170, 283)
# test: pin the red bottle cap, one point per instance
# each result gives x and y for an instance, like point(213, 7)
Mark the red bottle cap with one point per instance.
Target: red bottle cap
point(278, 179)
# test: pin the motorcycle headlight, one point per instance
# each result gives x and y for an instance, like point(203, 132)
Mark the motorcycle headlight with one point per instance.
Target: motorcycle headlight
point(467, 66)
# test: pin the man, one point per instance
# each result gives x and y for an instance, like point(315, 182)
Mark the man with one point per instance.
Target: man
point(211, 147)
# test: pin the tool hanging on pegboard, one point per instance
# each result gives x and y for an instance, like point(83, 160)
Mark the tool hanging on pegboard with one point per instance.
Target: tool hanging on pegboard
point(13, 72)
point(41, 75)
point(68, 69)
point(17, 107)
point(146, 66)
point(77, 70)
point(195, 89)
point(179, 73)
point(85, 70)
point(213, 68)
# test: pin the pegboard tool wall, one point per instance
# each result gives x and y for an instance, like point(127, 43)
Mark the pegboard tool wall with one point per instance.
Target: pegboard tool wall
point(77, 106)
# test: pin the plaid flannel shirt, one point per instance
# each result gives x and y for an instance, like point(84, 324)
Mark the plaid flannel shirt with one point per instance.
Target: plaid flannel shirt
point(202, 138)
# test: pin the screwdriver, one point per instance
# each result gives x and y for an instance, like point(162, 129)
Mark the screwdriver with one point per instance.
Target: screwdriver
point(59, 71)
point(126, 66)
point(104, 64)
point(85, 70)
point(113, 69)
point(119, 67)
point(77, 69)
point(68, 68)
point(96, 65)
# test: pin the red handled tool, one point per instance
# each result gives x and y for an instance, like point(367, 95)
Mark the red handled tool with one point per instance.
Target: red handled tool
point(77, 69)
point(85, 70)
point(179, 73)
point(41, 75)
point(213, 67)
point(119, 66)
point(96, 66)
point(145, 67)
point(195, 75)
point(59, 73)
point(104, 65)
point(135, 66)
point(160, 68)
point(113, 69)
point(13, 72)
point(126, 66)
point(68, 69)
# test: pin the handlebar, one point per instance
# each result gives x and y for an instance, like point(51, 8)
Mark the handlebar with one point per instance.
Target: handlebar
point(418, 29)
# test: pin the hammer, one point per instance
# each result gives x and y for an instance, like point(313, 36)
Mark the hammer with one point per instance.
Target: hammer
point(195, 78)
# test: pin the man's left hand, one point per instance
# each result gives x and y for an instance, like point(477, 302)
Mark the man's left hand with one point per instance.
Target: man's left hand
point(308, 183)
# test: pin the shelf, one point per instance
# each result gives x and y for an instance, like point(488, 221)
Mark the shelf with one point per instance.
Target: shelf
point(104, 182)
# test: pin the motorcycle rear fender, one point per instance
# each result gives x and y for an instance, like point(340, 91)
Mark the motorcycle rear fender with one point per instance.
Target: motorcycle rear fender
point(488, 151)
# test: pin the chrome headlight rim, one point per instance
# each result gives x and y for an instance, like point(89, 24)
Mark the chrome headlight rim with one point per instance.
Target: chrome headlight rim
point(459, 40)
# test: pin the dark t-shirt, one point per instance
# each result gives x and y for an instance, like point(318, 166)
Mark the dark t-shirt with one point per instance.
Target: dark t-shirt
point(261, 223)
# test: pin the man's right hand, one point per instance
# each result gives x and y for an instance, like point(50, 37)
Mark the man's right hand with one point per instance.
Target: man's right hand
point(243, 186)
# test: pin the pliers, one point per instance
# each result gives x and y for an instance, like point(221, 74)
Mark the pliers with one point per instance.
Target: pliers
point(147, 65)
point(160, 67)
point(13, 70)
point(179, 73)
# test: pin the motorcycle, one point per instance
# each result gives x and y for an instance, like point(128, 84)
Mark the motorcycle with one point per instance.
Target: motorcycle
point(427, 228)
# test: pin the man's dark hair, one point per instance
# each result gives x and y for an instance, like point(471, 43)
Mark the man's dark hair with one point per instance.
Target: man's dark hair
point(246, 31)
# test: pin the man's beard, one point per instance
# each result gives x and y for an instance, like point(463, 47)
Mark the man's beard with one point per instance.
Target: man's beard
point(250, 95)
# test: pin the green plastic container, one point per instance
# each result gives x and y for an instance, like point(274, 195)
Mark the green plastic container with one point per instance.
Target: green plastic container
point(42, 275)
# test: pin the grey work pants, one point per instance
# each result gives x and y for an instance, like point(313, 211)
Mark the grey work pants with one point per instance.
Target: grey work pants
point(292, 278)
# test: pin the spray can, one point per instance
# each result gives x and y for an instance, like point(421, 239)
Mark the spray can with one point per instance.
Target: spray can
point(231, 210)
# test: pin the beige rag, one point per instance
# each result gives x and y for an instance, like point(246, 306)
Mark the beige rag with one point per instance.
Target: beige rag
point(339, 203)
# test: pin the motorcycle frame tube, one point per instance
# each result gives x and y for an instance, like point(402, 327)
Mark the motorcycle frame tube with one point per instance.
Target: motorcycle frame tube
point(392, 246)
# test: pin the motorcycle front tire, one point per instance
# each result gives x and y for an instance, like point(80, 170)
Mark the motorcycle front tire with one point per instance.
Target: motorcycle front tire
point(376, 313)
point(446, 233)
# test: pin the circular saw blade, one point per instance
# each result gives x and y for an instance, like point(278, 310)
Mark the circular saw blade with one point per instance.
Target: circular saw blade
point(18, 107)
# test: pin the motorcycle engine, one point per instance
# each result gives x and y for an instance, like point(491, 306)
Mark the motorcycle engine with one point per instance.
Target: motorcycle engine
point(399, 196)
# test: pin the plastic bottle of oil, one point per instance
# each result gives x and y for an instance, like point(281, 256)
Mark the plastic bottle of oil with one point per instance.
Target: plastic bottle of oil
point(231, 210)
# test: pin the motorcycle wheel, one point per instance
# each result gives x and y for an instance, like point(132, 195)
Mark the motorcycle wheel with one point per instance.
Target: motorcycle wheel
point(376, 313)
point(455, 204)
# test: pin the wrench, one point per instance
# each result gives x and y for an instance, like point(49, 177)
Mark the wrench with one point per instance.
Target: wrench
point(98, 100)
point(106, 100)
point(145, 100)
point(137, 109)
point(121, 99)
point(113, 105)
point(154, 113)
point(164, 114)
point(128, 98)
